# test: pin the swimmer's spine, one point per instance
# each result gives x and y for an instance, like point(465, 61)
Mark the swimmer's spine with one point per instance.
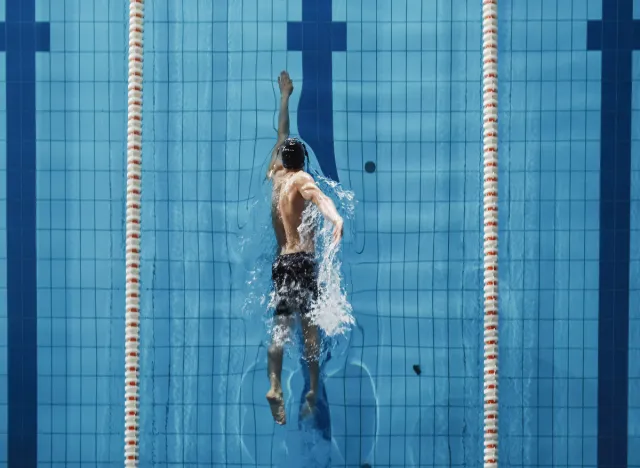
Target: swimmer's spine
point(490, 203)
point(132, 292)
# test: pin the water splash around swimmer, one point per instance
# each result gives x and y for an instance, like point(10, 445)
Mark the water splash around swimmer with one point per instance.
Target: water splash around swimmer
point(332, 312)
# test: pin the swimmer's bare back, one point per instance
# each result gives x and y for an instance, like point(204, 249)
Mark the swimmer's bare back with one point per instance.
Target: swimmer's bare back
point(278, 226)
point(291, 193)
point(287, 210)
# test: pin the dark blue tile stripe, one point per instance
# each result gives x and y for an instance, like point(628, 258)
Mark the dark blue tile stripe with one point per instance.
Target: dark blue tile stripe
point(616, 36)
point(21, 37)
point(317, 36)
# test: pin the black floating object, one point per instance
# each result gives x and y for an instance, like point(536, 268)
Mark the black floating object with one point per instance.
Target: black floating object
point(365, 465)
point(416, 369)
point(370, 167)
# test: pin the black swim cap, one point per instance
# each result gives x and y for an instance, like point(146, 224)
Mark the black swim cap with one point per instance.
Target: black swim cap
point(293, 153)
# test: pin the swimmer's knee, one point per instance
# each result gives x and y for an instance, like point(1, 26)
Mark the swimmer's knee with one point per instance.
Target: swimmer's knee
point(275, 350)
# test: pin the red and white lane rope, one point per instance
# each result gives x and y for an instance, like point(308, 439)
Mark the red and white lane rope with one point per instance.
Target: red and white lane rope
point(490, 202)
point(134, 172)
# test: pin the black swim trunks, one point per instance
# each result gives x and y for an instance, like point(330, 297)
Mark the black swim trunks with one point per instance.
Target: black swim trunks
point(295, 282)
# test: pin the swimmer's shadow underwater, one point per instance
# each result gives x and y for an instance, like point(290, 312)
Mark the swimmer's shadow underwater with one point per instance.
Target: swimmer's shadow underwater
point(320, 435)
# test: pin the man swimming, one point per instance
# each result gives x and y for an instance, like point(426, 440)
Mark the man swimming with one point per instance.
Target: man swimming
point(294, 270)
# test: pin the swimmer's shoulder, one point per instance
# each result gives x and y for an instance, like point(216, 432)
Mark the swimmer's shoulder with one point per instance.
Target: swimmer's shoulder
point(302, 178)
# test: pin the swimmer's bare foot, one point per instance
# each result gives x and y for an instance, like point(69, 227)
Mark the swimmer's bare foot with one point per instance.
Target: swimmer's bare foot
point(311, 404)
point(276, 402)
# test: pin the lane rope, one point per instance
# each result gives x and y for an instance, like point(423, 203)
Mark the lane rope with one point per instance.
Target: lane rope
point(132, 257)
point(490, 218)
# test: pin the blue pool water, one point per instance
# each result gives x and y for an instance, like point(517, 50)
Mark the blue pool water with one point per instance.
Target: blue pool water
point(393, 83)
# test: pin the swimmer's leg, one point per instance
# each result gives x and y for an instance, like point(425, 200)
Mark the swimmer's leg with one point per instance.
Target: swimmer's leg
point(312, 356)
point(282, 327)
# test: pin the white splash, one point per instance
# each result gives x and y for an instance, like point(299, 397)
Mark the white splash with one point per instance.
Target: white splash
point(346, 198)
point(331, 312)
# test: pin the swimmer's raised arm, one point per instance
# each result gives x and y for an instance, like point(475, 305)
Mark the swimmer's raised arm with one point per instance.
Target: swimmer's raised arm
point(286, 88)
point(310, 191)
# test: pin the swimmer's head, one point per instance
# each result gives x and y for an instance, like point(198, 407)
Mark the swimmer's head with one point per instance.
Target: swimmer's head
point(293, 153)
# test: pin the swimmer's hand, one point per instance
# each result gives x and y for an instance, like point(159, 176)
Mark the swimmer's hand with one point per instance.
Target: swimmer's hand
point(286, 85)
point(338, 230)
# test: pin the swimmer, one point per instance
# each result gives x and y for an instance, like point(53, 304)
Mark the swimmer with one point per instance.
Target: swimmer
point(294, 270)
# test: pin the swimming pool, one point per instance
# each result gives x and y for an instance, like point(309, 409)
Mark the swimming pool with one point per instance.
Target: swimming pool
point(389, 99)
